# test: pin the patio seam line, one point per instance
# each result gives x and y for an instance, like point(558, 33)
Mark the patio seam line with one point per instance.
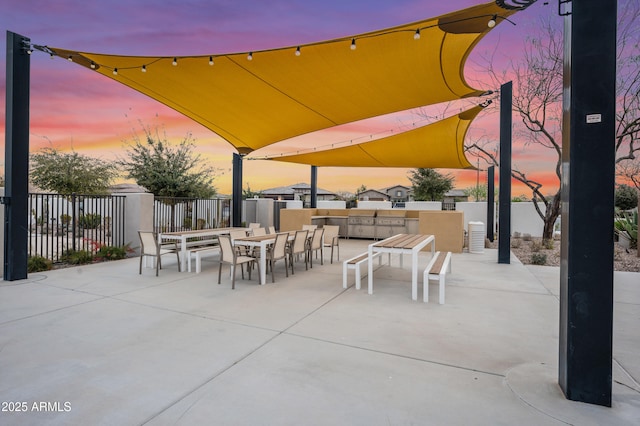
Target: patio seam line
point(237, 361)
point(53, 310)
point(637, 389)
point(427, 361)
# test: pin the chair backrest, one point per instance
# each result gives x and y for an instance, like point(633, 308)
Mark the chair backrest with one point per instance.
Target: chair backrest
point(254, 225)
point(279, 246)
point(257, 232)
point(226, 248)
point(330, 232)
point(272, 229)
point(148, 242)
point(316, 241)
point(309, 227)
point(238, 233)
point(299, 242)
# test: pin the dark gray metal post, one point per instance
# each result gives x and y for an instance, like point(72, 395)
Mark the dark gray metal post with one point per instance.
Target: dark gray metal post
point(490, 202)
point(236, 195)
point(16, 158)
point(314, 187)
point(588, 178)
point(504, 208)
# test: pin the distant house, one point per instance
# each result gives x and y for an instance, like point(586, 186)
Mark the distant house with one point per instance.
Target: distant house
point(399, 193)
point(373, 195)
point(298, 191)
point(455, 195)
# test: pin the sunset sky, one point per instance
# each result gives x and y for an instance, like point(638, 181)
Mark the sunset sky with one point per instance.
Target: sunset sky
point(72, 107)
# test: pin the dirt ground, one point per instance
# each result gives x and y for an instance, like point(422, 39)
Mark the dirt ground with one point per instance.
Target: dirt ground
point(624, 259)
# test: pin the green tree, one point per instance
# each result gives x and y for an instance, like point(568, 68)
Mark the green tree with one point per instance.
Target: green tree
point(429, 185)
point(68, 173)
point(248, 193)
point(626, 197)
point(167, 170)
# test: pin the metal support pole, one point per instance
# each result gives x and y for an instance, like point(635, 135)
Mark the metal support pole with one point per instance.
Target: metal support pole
point(504, 209)
point(314, 187)
point(490, 202)
point(588, 178)
point(236, 196)
point(16, 201)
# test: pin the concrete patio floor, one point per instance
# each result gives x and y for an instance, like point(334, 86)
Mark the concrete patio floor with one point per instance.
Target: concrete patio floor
point(100, 344)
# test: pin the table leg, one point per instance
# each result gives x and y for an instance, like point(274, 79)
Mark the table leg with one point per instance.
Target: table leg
point(414, 274)
point(263, 264)
point(183, 253)
point(370, 271)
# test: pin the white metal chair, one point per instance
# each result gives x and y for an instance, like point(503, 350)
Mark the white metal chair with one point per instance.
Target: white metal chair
point(309, 227)
point(150, 247)
point(315, 244)
point(332, 238)
point(231, 257)
point(277, 252)
point(272, 229)
point(298, 247)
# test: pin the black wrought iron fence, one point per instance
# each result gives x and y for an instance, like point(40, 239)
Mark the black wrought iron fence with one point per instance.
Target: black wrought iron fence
point(59, 223)
point(449, 205)
point(172, 214)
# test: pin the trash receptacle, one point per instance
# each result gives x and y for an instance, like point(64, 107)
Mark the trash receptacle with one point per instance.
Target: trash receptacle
point(476, 237)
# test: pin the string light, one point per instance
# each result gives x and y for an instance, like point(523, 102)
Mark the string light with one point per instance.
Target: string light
point(115, 71)
point(416, 36)
point(175, 62)
point(70, 59)
point(144, 68)
point(353, 44)
point(250, 56)
point(210, 60)
point(93, 64)
point(492, 21)
point(298, 51)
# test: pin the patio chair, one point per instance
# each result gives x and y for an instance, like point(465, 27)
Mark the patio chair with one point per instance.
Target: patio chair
point(150, 247)
point(277, 252)
point(272, 229)
point(298, 247)
point(314, 244)
point(257, 232)
point(332, 238)
point(254, 225)
point(231, 257)
point(309, 227)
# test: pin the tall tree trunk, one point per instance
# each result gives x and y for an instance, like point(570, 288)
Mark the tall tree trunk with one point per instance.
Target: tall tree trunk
point(551, 215)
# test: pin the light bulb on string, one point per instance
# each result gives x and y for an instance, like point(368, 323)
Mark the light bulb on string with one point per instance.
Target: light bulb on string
point(210, 60)
point(298, 51)
point(492, 21)
point(175, 62)
point(250, 56)
point(115, 71)
point(144, 68)
point(353, 44)
point(416, 36)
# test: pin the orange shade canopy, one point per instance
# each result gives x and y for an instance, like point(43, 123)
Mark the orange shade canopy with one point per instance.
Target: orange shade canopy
point(254, 99)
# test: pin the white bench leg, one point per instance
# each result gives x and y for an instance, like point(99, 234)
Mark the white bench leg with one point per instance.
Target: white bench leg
point(441, 290)
point(198, 263)
point(358, 277)
point(425, 287)
point(345, 269)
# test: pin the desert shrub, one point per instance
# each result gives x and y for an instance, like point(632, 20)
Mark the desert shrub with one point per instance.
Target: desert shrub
point(536, 246)
point(526, 237)
point(517, 235)
point(538, 259)
point(77, 257)
point(111, 253)
point(38, 263)
point(517, 243)
point(90, 221)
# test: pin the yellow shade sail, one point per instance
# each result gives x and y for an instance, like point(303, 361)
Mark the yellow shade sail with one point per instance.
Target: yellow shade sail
point(254, 100)
point(437, 145)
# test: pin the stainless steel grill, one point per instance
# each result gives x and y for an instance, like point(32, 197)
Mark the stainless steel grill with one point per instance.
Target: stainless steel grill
point(390, 225)
point(362, 225)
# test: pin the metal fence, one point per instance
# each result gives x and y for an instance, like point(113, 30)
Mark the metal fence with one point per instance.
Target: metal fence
point(59, 223)
point(172, 214)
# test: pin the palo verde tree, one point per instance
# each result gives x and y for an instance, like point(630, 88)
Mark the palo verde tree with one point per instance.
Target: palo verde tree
point(537, 100)
point(168, 170)
point(429, 185)
point(70, 172)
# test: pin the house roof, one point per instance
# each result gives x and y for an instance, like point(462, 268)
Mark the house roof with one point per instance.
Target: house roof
point(294, 189)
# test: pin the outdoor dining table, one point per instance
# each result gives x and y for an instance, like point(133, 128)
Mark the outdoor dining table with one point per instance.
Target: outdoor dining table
point(402, 244)
point(183, 236)
point(261, 241)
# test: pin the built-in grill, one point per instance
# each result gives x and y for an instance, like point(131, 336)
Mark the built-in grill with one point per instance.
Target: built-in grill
point(362, 224)
point(390, 223)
